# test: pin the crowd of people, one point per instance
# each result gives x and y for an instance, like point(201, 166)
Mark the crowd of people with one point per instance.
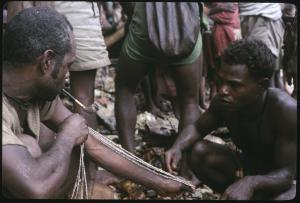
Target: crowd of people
point(243, 54)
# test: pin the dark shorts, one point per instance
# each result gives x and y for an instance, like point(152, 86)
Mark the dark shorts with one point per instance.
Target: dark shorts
point(137, 45)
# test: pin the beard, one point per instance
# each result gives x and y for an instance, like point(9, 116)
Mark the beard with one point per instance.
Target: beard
point(49, 92)
point(48, 96)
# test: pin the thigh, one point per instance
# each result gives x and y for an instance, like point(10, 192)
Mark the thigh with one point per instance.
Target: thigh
point(187, 77)
point(82, 82)
point(130, 72)
point(218, 157)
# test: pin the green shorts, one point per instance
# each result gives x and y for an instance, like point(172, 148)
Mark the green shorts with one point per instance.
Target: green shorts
point(138, 47)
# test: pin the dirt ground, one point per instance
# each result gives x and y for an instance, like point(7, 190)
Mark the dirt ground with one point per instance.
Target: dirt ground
point(154, 135)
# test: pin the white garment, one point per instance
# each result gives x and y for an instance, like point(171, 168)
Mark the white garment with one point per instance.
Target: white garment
point(91, 52)
point(268, 10)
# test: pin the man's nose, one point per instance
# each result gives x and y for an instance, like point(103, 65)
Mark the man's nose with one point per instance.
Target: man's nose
point(224, 90)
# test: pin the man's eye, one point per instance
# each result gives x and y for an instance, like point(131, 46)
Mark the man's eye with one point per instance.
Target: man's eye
point(234, 84)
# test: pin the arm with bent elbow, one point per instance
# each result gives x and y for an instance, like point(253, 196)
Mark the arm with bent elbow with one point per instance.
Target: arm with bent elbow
point(41, 177)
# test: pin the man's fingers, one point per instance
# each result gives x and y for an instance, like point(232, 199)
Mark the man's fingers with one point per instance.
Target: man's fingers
point(174, 165)
point(168, 164)
point(186, 188)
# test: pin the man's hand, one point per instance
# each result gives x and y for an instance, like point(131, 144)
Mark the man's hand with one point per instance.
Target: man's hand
point(242, 189)
point(75, 128)
point(173, 157)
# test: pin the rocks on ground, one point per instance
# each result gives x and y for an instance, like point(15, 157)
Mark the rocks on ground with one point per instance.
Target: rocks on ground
point(153, 136)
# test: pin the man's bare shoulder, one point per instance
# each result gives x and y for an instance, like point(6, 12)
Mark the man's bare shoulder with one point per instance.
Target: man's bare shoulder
point(280, 100)
point(282, 108)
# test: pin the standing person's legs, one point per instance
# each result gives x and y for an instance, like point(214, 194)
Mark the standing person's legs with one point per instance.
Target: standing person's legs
point(82, 87)
point(186, 78)
point(129, 74)
point(147, 88)
point(202, 87)
point(187, 85)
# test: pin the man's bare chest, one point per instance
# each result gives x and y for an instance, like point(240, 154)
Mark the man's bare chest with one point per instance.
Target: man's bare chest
point(251, 136)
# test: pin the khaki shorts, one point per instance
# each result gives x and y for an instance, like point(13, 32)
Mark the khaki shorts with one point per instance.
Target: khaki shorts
point(269, 31)
point(91, 52)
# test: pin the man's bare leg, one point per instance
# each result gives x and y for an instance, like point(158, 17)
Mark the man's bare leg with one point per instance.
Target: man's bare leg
point(202, 86)
point(129, 74)
point(187, 85)
point(147, 90)
point(82, 88)
point(187, 79)
point(214, 164)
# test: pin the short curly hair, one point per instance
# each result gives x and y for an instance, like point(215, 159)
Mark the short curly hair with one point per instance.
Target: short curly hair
point(34, 30)
point(252, 52)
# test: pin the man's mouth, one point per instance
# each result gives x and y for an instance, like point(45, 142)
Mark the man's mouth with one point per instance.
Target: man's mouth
point(227, 103)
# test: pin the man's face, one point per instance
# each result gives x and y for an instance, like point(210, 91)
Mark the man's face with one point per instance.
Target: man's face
point(236, 87)
point(57, 81)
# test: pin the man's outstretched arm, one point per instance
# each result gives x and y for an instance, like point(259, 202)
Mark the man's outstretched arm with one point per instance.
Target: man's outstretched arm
point(207, 122)
point(116, 164)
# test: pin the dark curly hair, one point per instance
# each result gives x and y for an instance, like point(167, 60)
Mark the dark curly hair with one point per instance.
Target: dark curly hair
point(254, 54)
point(34, 30)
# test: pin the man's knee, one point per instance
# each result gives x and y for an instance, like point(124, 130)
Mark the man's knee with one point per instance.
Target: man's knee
point(287, 195)
point(200, 151)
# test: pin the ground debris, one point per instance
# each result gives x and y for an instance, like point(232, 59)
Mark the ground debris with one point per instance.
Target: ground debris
point(153, 136)
point(106, 115)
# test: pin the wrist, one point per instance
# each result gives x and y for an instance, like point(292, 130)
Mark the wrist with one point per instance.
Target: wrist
point(178, 146)
point(65, 140)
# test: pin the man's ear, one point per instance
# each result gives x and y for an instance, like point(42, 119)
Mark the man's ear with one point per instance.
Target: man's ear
point(264, 83)
point(46, 61)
